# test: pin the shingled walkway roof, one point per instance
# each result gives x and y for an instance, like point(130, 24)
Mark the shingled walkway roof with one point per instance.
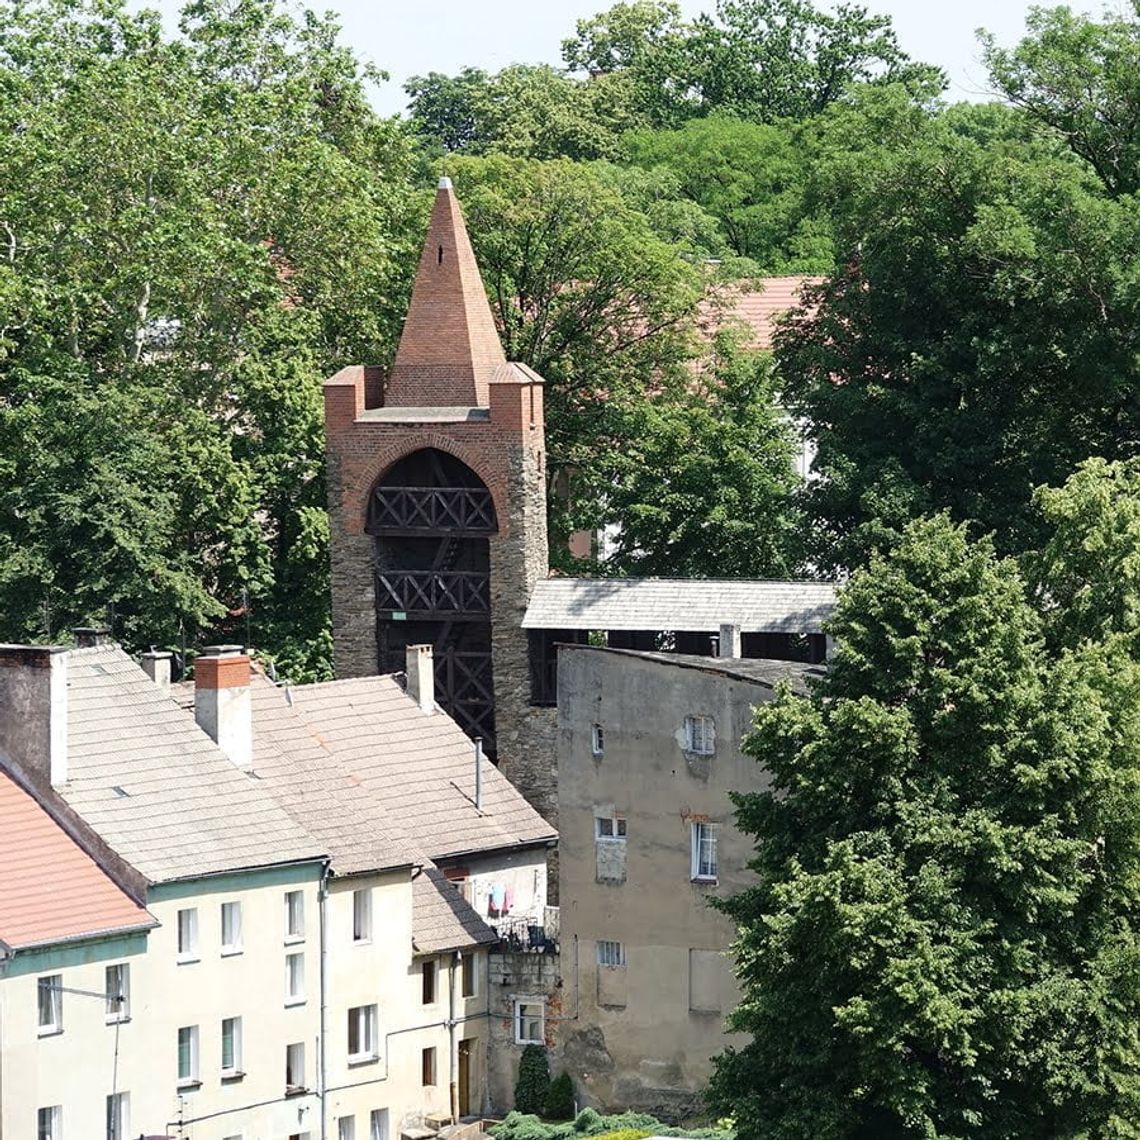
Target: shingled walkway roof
point(691, 604)
point(156, 788)
point(442, 918)
point(53, 890)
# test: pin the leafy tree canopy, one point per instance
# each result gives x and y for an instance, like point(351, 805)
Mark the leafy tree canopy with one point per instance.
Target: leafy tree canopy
point(940, 940)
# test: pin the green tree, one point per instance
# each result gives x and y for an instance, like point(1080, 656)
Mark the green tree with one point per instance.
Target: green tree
point(1079, 78)
point(197, 229)
point(940, 940)
point(978, 339)
point(533, 1086)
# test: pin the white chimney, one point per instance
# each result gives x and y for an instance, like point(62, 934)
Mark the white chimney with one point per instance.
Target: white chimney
point(729, 643)
point(421, 677)
point(33, 709)
point(156, 665)
point(223, 706)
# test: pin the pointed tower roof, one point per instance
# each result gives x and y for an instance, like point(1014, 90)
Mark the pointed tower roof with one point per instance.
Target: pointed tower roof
point(450, 348)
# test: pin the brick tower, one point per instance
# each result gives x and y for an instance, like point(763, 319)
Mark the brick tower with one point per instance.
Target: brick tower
point(437, 507)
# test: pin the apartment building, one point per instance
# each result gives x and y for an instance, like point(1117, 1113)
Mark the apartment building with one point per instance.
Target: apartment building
point(649, 749)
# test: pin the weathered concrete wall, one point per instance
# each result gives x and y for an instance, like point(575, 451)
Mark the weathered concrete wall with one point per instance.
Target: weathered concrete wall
point(647, 1029)
point(513, 976)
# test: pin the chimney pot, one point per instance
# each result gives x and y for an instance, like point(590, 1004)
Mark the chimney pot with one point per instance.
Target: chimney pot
point(88, 636)
point(729, 642)
point(156, 665)
point(223, 705)
point(421, 677)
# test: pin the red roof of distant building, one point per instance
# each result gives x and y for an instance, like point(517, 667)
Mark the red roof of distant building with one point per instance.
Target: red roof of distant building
point(53, 890)
point(759, 308)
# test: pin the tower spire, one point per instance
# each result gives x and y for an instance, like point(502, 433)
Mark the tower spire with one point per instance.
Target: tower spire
point(450, 349)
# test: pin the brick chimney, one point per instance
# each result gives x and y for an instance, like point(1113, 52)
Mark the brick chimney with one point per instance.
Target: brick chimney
point(33, 710)
point(421, 677)
point(223, 706)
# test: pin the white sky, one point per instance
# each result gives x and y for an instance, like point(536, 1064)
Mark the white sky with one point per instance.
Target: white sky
point(413, 37)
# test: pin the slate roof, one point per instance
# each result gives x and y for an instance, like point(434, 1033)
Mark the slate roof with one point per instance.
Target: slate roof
point(418, 768)
point(441, 918)
point(53, 890)
point(156, 788)
point(691, 604)
point(758, 670)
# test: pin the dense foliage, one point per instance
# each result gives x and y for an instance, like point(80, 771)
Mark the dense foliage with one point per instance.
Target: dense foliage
point(560, 1098)
point(533, 1086)
point(589, 1122)
point(941, 935)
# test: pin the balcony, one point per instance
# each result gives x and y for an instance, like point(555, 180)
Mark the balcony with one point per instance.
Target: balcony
point(527, 934)
point(431, 592)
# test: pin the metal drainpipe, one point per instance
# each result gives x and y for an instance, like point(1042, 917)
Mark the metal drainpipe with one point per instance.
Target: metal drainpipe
point(322, 904)
point(453, 1047)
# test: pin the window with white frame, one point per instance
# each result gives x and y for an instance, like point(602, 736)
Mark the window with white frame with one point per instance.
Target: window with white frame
point(231, 1046)
point(117, 986)
point(294, 979)
point(378, 1124)
point(295, 1067)
point(530, 1027)
point(188, 934)
point(294, 916)
point(362, 915)
point(597, 739)
point(611, 954)
point(118, 1116)
point(704, 855)
point(49, 1001)
point(188, 1055)
point(231, 928)
point(468, 980)
point(49, 1123)
point(346, 1128)
point(609, 826)
point(700, 735)
point(362, 1035)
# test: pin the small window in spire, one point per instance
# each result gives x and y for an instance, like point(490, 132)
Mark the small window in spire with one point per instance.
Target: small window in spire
point(441, 255)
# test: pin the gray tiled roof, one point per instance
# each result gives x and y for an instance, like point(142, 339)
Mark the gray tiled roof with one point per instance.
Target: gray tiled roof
point(182, 809)
point(441, 918)
point(304, 777)
point(419, 768)
point(691, 604)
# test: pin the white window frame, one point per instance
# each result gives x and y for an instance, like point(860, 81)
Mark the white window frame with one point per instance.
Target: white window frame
point(118, 1116)
point(597, 740)
point(610, 828)
point(295, 978)
point(231, 927)
point(187, 933)
point(49, 1122)
point(610, 953)
point(704, 839)
point(294, 916)
point(191, 1077)
point(362, 916)
point(117, 987)
point(700, 734)
point(363, 1023)
point(49, 1004)
point(234, 1069)
point(378, 1124)
point(346, 1128)
point(295, 1066)
point(524, 1021)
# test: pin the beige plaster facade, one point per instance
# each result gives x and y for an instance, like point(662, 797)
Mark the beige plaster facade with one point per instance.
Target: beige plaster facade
point(640, 794)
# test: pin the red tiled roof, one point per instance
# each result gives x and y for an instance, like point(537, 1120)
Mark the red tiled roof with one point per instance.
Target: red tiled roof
point(53, 890)
point(758, 309)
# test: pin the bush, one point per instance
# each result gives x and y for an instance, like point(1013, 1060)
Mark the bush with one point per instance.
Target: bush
point(534, 1081)
point(625, 1134)
point(560, 1098)
point(589, 1123)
